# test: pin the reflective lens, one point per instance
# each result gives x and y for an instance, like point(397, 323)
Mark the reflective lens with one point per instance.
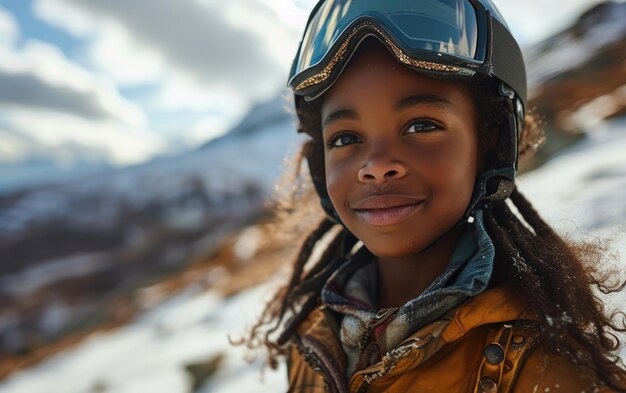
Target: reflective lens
point(441, 26)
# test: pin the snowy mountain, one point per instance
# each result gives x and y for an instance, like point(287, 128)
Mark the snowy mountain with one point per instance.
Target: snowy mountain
point(577, 78)
point(599, 29)
point(35, 172)
point(126, 227)
point(272, 112)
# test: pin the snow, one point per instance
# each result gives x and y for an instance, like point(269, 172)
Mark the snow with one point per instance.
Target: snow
point(149, 355)
point(49, 271)
point(582, 192)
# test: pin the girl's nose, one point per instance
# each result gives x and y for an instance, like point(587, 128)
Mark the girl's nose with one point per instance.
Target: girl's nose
point(381, 169)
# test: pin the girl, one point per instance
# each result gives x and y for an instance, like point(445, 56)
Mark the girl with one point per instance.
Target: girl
point(437, 275)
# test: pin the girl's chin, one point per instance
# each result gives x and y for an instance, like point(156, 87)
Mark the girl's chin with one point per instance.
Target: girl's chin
point(398, 245)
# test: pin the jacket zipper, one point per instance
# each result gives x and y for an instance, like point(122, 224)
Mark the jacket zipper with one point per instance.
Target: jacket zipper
point(388, 362)
point(381, 316)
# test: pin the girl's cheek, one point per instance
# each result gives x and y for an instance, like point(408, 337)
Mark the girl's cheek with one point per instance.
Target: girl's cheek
point(340, 176)
point(339, 163)
point(335, 174)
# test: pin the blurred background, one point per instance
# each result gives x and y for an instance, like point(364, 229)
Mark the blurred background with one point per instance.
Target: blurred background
point(140, 142)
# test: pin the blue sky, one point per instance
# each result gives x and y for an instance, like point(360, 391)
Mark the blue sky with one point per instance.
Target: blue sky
point(119, 81)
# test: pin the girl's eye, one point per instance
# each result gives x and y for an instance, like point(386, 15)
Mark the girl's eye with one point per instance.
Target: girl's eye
point(340, 140)
point(417, 126)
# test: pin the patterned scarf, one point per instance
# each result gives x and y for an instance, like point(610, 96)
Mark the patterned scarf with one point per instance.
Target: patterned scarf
point(367, 333)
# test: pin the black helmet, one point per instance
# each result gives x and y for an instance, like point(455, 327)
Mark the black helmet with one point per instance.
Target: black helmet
point(439, 38)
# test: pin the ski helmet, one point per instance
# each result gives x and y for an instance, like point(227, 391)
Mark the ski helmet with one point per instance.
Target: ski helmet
point(448, 39)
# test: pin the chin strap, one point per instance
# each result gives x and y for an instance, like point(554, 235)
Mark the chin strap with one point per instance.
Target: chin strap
point(501, 181)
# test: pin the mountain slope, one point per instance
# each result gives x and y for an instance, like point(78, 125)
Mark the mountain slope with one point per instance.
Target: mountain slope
point(128, 227)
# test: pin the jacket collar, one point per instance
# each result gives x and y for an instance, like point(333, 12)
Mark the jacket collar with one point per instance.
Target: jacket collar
point(495, 305)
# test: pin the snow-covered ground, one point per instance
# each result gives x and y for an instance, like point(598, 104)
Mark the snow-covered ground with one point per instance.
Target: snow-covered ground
point(582, 192)
point(150, 354)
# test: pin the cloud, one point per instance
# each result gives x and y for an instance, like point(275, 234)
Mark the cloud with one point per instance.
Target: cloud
point(67, 138)
point(243, 46)
point(39, 76)
point(25, 89)
point(9, 30)
point(207, 59)
point(535, 20)
point(53, 108)
point(204, 59)
point(12, 147)
point(205, 129)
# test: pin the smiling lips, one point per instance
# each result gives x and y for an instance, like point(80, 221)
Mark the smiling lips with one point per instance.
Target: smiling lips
point(380, 210)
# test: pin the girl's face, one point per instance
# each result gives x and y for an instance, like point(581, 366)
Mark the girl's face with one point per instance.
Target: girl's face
point(400, 153)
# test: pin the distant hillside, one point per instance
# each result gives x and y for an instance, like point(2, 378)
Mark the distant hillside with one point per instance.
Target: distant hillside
point(577, 77)
point(77, 246)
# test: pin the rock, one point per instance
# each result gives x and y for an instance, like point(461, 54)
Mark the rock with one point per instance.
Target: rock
point(202, 371)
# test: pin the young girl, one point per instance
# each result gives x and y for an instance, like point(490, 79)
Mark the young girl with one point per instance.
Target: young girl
point(437, 275)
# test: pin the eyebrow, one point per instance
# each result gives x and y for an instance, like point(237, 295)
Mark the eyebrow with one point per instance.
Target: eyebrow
point(404, 103)
point(341, 114)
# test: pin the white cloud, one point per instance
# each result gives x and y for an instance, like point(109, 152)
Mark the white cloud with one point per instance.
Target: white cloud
point(67, 17)
point(68, 137)
point(209, 57)
point(114, 52)
point(9, 30)
point(39, 75)
point(535, 20)
point(260, 19)
point(206, 59)
point(206, 129)
point(112, 47)
point(242, 46)
point(183, 94)
point(54, 108)
point(12, 147)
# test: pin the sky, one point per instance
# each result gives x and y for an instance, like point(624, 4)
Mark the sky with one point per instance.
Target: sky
point(122, 81)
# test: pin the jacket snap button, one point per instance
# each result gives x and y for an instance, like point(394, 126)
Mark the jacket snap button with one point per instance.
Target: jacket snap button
point(494, 353)
point(518, 340)
point(488, 385)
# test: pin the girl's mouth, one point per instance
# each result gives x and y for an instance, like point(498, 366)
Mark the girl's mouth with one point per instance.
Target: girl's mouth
point(381, 210)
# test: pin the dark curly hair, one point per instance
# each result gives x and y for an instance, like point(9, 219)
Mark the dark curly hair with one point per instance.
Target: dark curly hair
point(557, 277)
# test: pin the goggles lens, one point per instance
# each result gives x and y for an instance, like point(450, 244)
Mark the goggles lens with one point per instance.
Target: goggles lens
point(447, 27)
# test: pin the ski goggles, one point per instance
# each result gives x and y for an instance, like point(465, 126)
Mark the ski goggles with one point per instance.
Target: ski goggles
point(446, 38)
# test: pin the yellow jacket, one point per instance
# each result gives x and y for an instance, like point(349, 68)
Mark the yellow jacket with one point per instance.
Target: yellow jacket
point(485, 345)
